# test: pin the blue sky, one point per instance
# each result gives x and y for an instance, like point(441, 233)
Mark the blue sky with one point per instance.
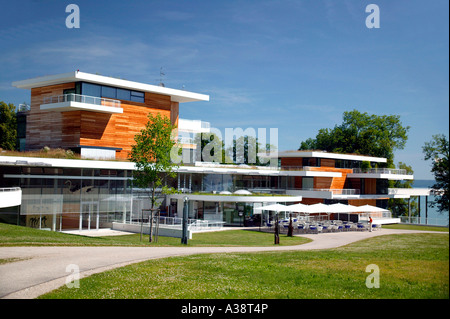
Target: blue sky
point(293, 65)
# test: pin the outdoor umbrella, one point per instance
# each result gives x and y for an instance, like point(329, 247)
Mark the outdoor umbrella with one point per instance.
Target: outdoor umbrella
point(369, 209)
point(274, 207)
point(298, 208)
point(321, 208)
point(342, 208)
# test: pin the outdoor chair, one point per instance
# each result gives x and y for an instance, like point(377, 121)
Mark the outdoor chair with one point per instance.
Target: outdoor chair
point(361, 227)
point(376, 226)
point(313, 229)
point(301, 228)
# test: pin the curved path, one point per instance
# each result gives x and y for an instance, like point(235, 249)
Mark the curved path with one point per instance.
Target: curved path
point(42, 269)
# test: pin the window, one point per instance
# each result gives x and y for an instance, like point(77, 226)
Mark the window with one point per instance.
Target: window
point(90, 89)
point(108, 92)
point(307, 182)
point(137, 96)
point(123, 94)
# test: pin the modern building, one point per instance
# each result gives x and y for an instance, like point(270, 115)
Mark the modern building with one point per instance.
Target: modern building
point(98, 117)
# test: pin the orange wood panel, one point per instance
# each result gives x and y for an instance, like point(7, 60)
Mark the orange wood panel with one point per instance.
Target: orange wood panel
point(291, 161)
point(44, 127)
point(337, 182)
point(370, 186)
point(328, 162)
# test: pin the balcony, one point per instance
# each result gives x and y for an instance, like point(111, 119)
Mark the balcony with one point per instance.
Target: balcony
point(384, 173)
point(77, 102)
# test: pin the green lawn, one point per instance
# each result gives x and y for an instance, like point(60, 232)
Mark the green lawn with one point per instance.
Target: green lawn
point(11, 235)
point(417, 227)
point(411, 266)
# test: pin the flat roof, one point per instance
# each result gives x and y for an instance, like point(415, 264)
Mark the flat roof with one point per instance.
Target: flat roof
point(76, 76)
point(102, 164)
point(323, 154)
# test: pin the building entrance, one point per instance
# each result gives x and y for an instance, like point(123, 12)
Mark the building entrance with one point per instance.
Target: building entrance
point(89, 216)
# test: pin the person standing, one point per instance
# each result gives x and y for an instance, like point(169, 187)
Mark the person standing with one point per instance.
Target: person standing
point(370, 223)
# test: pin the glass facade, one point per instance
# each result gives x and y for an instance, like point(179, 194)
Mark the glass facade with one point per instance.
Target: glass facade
point(70, 198)
point(62, 198)
point(110, 92)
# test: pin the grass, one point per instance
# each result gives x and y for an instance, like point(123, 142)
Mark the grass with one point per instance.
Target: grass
point(417, 227)
point(11, 235)
point(412, 266)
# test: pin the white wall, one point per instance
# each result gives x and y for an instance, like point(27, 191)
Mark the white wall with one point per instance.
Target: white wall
point(10, 198)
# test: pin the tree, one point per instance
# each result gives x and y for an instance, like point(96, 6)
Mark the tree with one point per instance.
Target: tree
point(8, 126)
point(437, 150)
point(152, 155)
point(364, 134)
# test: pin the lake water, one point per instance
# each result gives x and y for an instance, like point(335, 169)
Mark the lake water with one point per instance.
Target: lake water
point(434, 217)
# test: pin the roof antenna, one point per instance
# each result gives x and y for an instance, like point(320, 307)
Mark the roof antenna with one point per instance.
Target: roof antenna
point(161, 74)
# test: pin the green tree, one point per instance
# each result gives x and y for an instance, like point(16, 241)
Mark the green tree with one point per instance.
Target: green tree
point(210, 148)
point(437, 150)
point(152, 155)
point(8, 126)
point(246, 150)
point(362, 133)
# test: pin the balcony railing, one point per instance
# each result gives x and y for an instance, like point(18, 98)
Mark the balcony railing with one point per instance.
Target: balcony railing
point(71, 97)
point(394, 171)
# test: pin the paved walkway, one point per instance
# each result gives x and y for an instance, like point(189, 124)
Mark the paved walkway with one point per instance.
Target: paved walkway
point(42, 269)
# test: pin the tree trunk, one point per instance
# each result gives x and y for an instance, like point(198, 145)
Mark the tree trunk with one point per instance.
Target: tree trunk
point(290, 228)
point(150, 239)
point(277, 231)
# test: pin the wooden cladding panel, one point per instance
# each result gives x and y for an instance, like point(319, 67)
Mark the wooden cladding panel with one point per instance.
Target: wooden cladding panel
point(116, 130)
point(323, 182)
point(44, 128)
point(336, 182)
point(71, 129)
point(291, 161)
point(311, 201)
point(328, 162)
point(370, 186)
point(362, 202)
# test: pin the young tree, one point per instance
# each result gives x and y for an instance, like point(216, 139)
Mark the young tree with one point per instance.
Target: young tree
point(152, 155)
point(437, 150)
point(8, 126)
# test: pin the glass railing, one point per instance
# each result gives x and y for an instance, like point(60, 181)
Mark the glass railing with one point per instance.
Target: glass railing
point(395, 171)
point(81, 99)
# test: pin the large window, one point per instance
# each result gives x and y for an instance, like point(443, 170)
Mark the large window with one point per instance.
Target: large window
point(91, 89)
point(110, 92)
